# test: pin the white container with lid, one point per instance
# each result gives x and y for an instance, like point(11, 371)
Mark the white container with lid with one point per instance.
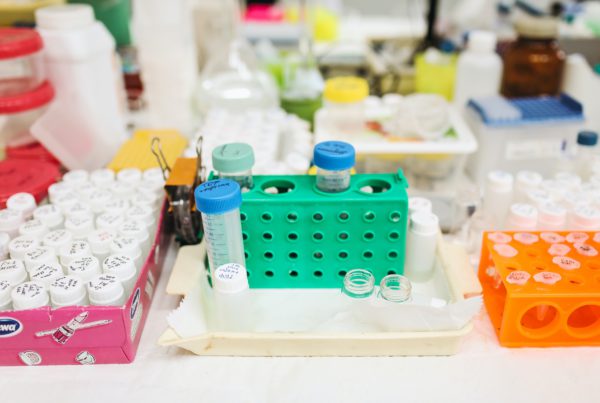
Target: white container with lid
point(109, 221)
point(80, 225)
point(144, 214)
point(20, 245)
point(154, 175)
point(39, 255)
point(144, 198)
point(4, 240)
point(230, 285)
point(585, 218)
point(84, 127)
point(117, 206)
point(122, 190)
point(59, 189)
point(84, 268)
point(551, 217)
point(49, 215)
point(106, 290)
point(34, 228)
point(129, 176)
point(344, 110)
point(127, 246)
point(5, 299)
point(29, 295)
point(100, 240)
point(74, 250)
point(22, 202)
point(79, 209)
point(136, 229)
point(83, 191)
point(13, 271)
point(76, 177)
point(123, 268)
point(421, 246)
point(103, 178)
point(497, 197)
point(522, 217)
point(10, 221)
point(57, 239)
point(65, 202)
point(68, 291)
point(524, 182)
point(99, 199)
point(46, 273)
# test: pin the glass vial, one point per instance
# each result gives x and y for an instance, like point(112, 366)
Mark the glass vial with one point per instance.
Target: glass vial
point(334, 161)
point(234, 161)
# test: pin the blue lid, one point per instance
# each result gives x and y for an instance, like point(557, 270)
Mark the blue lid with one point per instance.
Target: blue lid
point(218, 196)
point(587, 138)
point(334, 155)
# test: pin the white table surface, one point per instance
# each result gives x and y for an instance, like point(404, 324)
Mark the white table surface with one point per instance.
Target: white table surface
point(481, 372)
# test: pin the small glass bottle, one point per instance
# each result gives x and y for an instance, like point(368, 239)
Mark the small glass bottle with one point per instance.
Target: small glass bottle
point(358, 284)
point(234, 161)
point(334, 161)
point(586, 150)
point(395, 288)
point(219, 202)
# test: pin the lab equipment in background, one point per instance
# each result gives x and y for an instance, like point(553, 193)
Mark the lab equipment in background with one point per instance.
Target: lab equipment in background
point(18, 13)
point(234, 161)
point(163, 35)
point(219, 202)
point(421, 244)
point(585, 151)
point(522, 134)
point(358, 284)
point(84, 127)
point(232, 303)
point(115, 15)
point(478, 69)
point(524, 182)
point(435, 72)
point(497, 196)
point(583, 83)
point(334, 161)
point(534, 64)
point(343, 112)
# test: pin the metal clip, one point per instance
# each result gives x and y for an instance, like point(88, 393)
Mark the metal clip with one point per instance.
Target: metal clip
point(156, 149)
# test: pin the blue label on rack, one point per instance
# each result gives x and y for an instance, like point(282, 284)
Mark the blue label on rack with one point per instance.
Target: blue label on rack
point(10, 327)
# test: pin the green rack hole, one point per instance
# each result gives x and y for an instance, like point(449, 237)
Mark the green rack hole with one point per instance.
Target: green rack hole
point(269, 273)
point(293, 255)
point(245, 236)
point(394, 235)
point(342, 273)
point(393, 254)
point(318, 273)
point(292, 216)
point(395, 216)
point(368, 254)
point(277, 187)
point(318, 255)
point(369, 216)
point(243, 217)
point(374, 186)
point(343, 254)
point(293, 273)
point(266, 217)
point(267, 236)
point(317, 236)
point(292, 236)
point(369, 236)
point(391, 271)
point(343, 216)
point(268, 255)
point(246, 254)
point(317, 217)
point(343, 236)
point(248, 273)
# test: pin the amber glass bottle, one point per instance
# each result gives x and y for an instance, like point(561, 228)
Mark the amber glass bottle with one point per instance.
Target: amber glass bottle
point(533, 64)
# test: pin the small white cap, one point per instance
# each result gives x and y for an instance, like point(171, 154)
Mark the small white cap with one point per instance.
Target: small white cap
point(129, 176)
point(154, 175)
point(568, 179)
point(499, 181)
point(99, 199)
point(77, 176)
point(123, 267)
point(33, 228)
point(230, 278)
point(84, 191)
point(106, 289)
point(557, 190)
point(575, 199)
point(586, 217)
point(57, 239)
point(100, 240)
point(144, 214)
point(79, 209)
point(4, 240)
point(117, 206)
point(73, 251)
point(65, 202)
point(39, 255)
point(109, 221)
point(103, 178)
point(13, 271)
point(49, 215)
point(482, 41)
point(59, 189)
point(522, 216)
point(128, 246)
point(526, 180)
point(85, 268)
point(419, 204)
point(65, 17)
point(142, 198)
point(5, 299)
point(123, 190)
point(68, 291)
point(29, 295)
point(80, 226)
point(134, 229)
point(424, 223)
point(22, 202)
point(46, 273)
point(19, 246)
point(153, 187)
point(10, 221)
point(538, 197)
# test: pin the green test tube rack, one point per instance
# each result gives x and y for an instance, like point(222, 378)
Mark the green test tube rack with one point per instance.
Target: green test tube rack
point(296, 236)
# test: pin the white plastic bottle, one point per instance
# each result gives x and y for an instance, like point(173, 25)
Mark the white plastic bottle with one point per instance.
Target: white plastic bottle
point(421, 245)
point(478, 70)
point(84, 127)
point(497, 197)
point(230, 283)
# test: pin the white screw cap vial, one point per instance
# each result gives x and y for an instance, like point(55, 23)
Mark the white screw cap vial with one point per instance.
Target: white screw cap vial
point(49, 215)
point(29, 295)
point(135, 229)
point(10, 221)
point(122, 190)
point(73, 251)
point(80, 226)
point(84, 191)
point(57, 239)
point(4, 240)
point(129, 176)
point(76, 177)
point(117, 206)
point(99, 199)
point(154, 175)
point(497, 197)
point(65, 202)
point(22, 202)
point(39, 255)
point(103, 178)
point(100, 240)
point(576, 199)
point(34, 228)
point(123, 268)
point(109, 221)
point(13, 271)
point(19, 246)
point(79, 209)
point(68, 291)
point(143, 214)
point(46, 273)
point(5, 299)
point(145, 199)
point(552, 217)
point(419, 204)
point(58, 189)
point(127, 246)
point(230, 278)
point(585, 218)
point(151, 187)
point(557, 190)
point(421, 246)
point(522, 217)
point(524, 182)
point(84, 268)
point(106, 290)
point(538, 197)
point(569, 180)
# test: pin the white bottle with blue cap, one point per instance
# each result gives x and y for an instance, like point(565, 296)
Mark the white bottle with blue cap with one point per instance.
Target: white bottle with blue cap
point(586, 149)
point(219, 202)
point(334, 161)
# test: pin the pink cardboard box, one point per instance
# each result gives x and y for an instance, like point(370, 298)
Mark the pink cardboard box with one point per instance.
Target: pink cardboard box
point(84, 334)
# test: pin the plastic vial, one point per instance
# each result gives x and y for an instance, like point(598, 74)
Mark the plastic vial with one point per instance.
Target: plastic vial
point(99, 241)
point(551, 217)
point(84, 191)
point(19, 246)
point(569, 180)
point(79, 210)
point(122, 190)
point(143, 214)
point(497, 197)
point(230, 285)
point(136, 229)
point(74, 250)
point(421, 246)
point(4, 241)
point(29, 295)
point(555, 189)
point(59, 189)
point(334, 161)
point(419, 204)
point(39, 255)
point(80, 226)
point(103, 178)
point(586, 148)
point(124, 268)
point(154, 175)
point(76, 177)
point(344, 110)
point(129, 176)
point(46, 273)
point(109, 221)
point(358, 284)
point(33, 228)
point(395, 288)
point(10, 221)
point(24, 203)
point(538, 197)
point(585, 218)
point(150, 187)
point(525, 181)
point(234, 161)
point(13, 271)
point(219, 202)
point(127, 246)
point(117, 206)
point(49, 215)
point(57, 239)
point(68, 291)
point(65, 201)
point(5, 299)
point(106, 290)
point(84, 268)
point(522, 217)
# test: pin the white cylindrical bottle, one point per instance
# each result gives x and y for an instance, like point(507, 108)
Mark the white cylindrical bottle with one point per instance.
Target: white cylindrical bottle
point(497, 197)
point(4, 240)
point(230, 283)
point(68, 291)
point(84, 268)
point(106, 290)
point(10, 221)
point(478, 70)
point(23, 202)
point(49, 215)
point(30, 295)
point(13, 271)
point(84, 127)
point(421, 246)
point(46, 273)
point(5, 299)
point(124, 268)
point(524, 182)
point(551, 217)
point(521, 217)
point(586, 148)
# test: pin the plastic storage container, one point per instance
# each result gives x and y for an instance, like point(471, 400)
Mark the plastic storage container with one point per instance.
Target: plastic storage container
point(344, 110)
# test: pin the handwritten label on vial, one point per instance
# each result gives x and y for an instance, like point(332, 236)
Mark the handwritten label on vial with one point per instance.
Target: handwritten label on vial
point(45, 272)
point(115, 261)
point(66, 283)
point(552, 237)
point(82, 264)
point(526, 238)
point(28, 290)
point(559, 249)
point(23, 244)
point(577, 237)
point(547, 277)
point(518, 277)
point(499, 237)
point(505, 250)
point(566, 263)
point(39, 254)
point(57, 237)
point(10, 265)
point(585, 249)
point(102, 282)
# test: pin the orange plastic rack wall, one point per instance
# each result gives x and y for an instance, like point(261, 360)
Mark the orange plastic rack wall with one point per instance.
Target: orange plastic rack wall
point(542, 289)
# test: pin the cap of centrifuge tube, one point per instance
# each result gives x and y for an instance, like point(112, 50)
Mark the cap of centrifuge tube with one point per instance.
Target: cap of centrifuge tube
point(130, 176)
point(233, 157)
point(587, 138)
point(230, 278)
point(551, 216)
point(522, 216)
point(49, 215)
point(154, 175)
point(79, 210)
point(123, 268)
point(24, 203)
point(135, 229)
point(4, 240)
point(418, 204)
point(65, 201)
point(10, 221)
point(80, 226)
point(29, 295)
point(57, 239)
point(424, 223)
point(218, 196)
point(142, 198)
point(499, 182)
point(334, 155)
point(46, 273)
point(575, 199)
point(99, 199)
point(116, 206)
point(5, 299)
point(151, 187)
point(59, 189)
point(586, 217)
point(67, 291)
point(100, 240)
point(102, 178)
point(33, 228)
point(73, 251)
point(20, 245)
point(106, 289)
point(76, 177)
point(85, 268)
point(109, 221)
point(13, 271)
point(39, 255)
point(126, 246)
